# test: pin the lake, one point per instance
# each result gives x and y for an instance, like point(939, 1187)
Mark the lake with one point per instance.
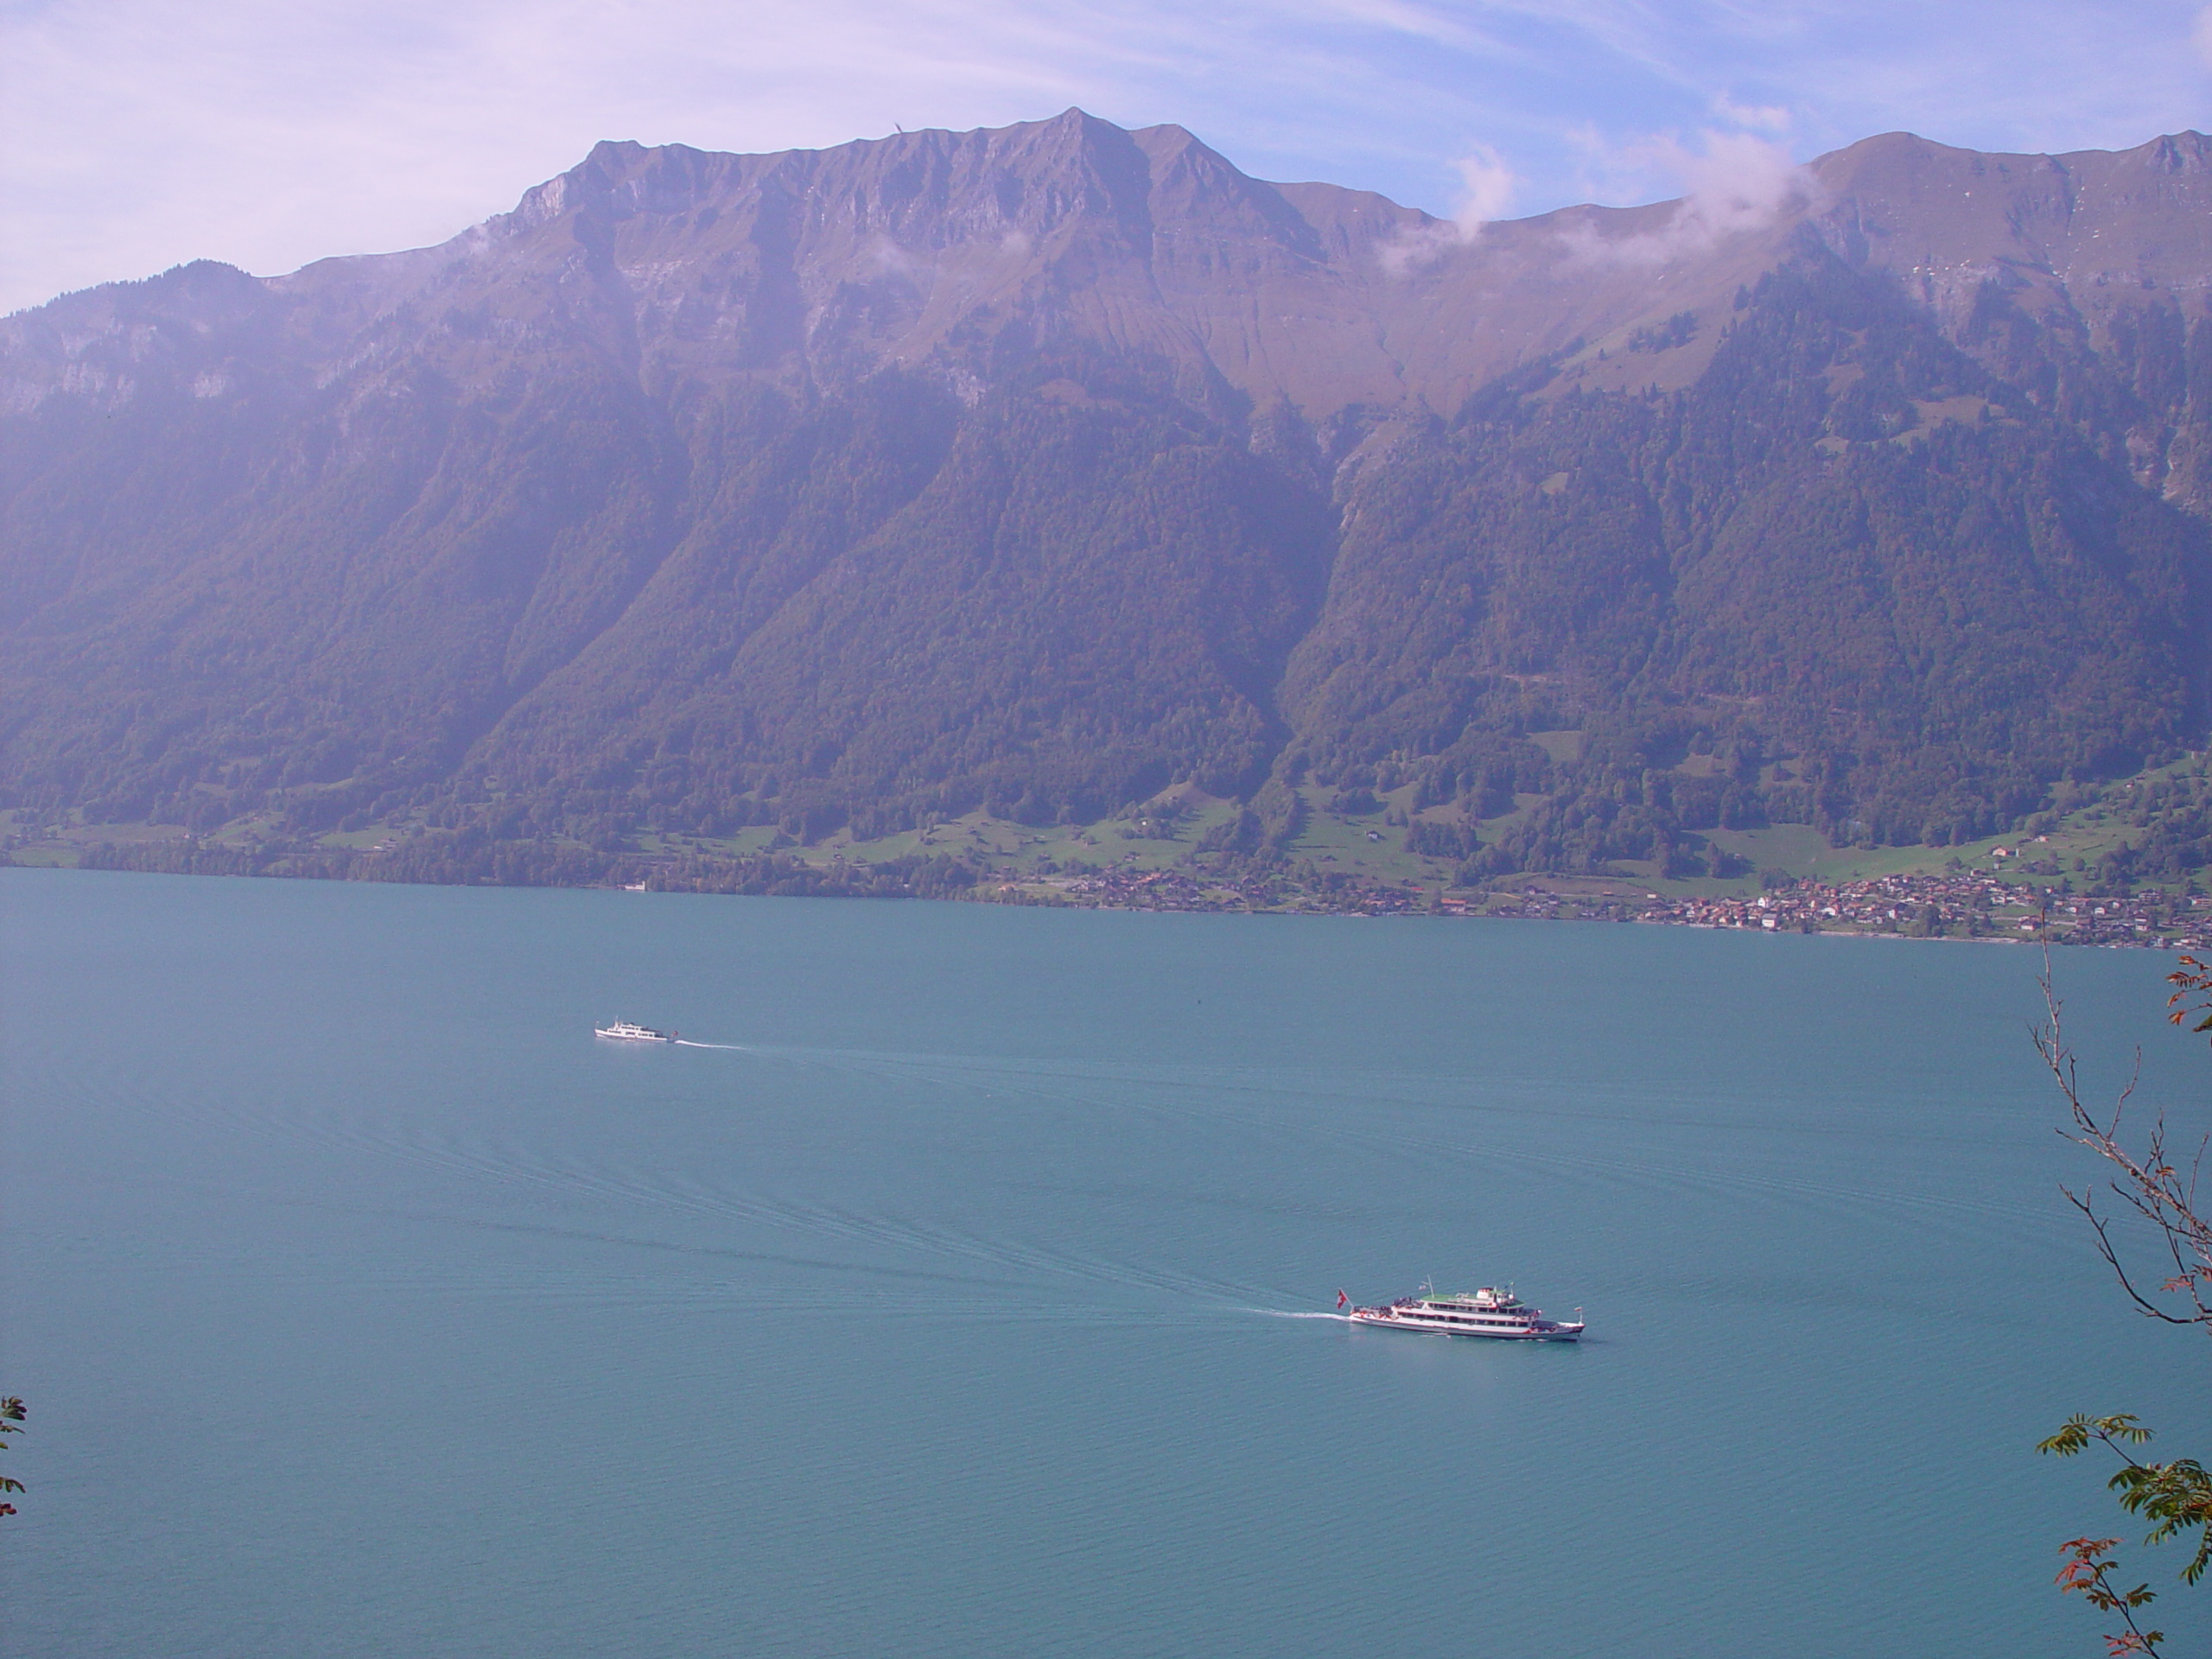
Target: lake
point(972, 1300)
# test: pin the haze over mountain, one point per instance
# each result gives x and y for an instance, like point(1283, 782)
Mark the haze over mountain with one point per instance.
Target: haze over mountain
point(1047, 467)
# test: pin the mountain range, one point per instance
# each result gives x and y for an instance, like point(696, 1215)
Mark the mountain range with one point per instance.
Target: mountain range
point(1045, 468)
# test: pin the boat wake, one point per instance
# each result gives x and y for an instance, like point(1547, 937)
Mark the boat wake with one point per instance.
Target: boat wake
point(686, 1042)
point(1286, 1314)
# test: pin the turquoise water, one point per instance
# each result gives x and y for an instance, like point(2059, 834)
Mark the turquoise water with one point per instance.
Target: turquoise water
point(366, 1306)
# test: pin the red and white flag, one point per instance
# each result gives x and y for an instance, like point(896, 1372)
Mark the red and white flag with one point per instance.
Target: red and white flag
point(1342, 1299)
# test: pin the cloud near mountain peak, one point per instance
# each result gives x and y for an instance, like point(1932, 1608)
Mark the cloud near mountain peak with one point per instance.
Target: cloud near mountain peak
point(1735, 182)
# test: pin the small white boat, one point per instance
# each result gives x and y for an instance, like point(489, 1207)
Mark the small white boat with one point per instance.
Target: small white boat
point(623, 1032)
point(1489, 1312)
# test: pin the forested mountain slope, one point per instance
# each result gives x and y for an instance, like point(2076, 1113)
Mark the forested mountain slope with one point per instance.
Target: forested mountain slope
point(1047, 467)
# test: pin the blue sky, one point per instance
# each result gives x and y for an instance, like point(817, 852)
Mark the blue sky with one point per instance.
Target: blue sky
point(134, 134)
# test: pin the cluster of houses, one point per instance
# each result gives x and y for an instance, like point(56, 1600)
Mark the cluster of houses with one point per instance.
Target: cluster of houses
point(1958, 905)
point(1963, 905)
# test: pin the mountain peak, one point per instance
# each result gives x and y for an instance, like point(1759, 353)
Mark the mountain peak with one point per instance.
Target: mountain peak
point(943, 247)
point(2186, 151)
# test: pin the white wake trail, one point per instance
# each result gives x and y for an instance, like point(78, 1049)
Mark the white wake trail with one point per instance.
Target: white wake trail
point(686, 1042)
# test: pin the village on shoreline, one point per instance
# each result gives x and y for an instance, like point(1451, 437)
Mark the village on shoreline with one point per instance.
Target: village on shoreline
point(1965, 906)
point(1990, 894)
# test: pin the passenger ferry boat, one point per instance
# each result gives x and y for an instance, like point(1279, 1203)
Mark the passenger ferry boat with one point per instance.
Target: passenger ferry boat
point(1489, 1312)
point(623, 1031)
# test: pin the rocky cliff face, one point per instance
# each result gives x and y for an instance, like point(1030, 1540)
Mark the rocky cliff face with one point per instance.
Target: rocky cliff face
point(1053, 464)
point(813, 268)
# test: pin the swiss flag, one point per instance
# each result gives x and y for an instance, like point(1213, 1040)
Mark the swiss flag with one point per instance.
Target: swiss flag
point(1342, 1299)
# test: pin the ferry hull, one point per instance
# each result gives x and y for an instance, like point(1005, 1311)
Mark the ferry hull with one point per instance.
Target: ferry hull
point(1503, 1333)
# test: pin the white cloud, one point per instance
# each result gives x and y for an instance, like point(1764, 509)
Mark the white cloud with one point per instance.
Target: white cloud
point(1733, 182)
point(1737, 181)
point(1487, 187)
point(1765, 117)
point(1490, 186)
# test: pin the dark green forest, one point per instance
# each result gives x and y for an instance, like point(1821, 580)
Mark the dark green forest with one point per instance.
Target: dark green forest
point(1899, 633)
point(1861, 575)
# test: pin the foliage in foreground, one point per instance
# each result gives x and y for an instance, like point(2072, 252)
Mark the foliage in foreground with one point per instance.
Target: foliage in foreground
point(11, 1413)
point(2174, 1496)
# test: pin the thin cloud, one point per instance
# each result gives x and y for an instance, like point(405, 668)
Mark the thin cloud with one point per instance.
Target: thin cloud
point(1490, 188)
point(1733, 183)
point(1762, 117)
point(1487, 189)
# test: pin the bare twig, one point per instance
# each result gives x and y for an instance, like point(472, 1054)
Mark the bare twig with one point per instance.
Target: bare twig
point(2176, 1495)
point(2150, 1183)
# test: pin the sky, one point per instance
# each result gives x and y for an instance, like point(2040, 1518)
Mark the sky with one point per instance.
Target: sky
point(137, 134)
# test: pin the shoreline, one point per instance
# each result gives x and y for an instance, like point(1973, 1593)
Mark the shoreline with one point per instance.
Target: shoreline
point(1947, 907)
